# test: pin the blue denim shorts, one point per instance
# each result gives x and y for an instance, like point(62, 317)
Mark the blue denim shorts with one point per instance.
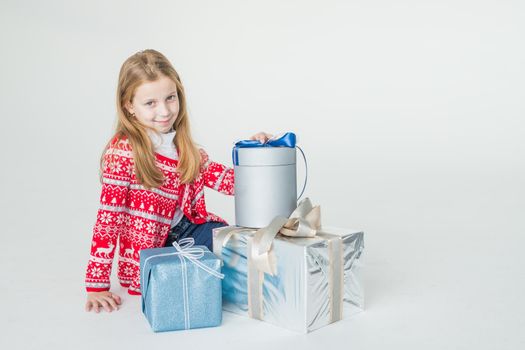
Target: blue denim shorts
point(202, 233)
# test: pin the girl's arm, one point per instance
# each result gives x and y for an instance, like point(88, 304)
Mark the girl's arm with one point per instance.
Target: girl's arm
point(217, 176)
point(220, 177)
point(111, 216)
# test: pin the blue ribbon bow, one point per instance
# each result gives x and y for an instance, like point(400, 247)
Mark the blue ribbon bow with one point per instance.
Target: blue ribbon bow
point(287, 140)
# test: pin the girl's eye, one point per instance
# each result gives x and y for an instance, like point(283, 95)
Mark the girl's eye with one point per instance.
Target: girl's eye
point(172, 97)
point(149, 103)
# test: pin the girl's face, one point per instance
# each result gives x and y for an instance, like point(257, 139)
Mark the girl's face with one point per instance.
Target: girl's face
point(156, 104)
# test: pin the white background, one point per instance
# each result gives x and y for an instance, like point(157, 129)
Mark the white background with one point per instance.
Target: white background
point(411, 114)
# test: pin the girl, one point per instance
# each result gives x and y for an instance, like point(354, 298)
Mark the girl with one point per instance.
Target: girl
point(153, 178)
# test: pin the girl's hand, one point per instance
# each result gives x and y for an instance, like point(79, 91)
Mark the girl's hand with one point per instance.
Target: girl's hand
point(262, 137)
point(107, 300)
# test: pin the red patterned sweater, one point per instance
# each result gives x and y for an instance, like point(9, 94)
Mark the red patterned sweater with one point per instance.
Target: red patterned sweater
point(141, 218)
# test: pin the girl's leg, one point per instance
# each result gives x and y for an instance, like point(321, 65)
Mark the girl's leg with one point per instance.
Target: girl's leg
point(202, 233)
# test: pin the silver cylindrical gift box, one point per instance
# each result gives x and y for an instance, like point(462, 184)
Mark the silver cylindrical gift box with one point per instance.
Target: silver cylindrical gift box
point(265, 185)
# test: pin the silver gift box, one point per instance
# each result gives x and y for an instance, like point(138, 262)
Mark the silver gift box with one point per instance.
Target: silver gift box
point(265, 185)
point(314, 285)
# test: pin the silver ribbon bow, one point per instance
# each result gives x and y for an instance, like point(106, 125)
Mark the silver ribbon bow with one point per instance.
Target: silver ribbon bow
point(304, 221)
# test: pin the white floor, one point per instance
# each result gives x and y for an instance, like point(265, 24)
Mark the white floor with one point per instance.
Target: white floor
point(455, 284)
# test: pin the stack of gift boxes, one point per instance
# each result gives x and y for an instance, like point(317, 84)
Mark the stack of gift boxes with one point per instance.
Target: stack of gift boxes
point(279, 264)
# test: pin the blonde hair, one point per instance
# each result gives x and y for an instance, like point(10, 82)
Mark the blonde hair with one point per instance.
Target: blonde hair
point(147, 66)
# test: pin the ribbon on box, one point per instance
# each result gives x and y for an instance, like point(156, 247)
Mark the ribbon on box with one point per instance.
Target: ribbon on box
point(185, 250)
point(305, 221)
point(285, 140)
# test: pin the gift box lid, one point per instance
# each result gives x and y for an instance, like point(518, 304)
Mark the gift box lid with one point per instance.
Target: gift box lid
point(266, 156)
point(209, 259)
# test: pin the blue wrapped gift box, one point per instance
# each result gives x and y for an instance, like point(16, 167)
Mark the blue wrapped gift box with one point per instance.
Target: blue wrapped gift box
point(181, 287)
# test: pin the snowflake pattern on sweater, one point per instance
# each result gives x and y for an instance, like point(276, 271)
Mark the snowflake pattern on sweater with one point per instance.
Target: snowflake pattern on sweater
point(140, 218)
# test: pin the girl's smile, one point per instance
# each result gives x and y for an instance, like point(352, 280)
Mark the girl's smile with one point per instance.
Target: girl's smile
point(166, 121)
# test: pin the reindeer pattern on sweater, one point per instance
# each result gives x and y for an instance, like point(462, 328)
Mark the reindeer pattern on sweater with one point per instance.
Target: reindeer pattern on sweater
point(139, 218)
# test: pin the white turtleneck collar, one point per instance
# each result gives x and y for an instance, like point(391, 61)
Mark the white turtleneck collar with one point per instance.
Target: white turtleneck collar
point(163, 143)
